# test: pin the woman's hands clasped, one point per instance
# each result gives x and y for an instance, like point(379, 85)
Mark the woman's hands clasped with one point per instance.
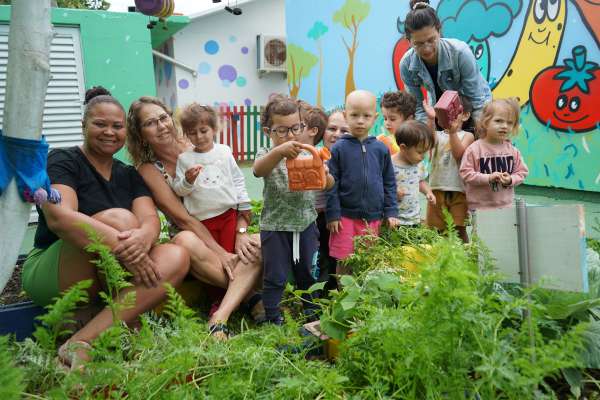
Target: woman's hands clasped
point(132, 251)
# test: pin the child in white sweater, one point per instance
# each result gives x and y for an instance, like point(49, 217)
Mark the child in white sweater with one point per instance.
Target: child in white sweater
point(208, 178)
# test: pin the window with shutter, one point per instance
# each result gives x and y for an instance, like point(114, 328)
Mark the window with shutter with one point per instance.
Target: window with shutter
point(64, 99)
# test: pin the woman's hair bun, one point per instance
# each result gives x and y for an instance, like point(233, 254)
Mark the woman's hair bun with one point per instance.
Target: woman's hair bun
point(95, 92)
point(416, 4)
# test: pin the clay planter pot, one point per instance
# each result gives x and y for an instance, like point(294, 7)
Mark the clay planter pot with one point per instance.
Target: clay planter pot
point(308, 173)
point(448, 108)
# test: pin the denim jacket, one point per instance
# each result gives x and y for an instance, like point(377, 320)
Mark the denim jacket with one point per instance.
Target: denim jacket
point(457, 70)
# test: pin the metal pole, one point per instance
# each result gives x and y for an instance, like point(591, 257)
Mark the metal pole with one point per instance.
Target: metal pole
point(175, 62)
point(27, 76)
point(524, 264)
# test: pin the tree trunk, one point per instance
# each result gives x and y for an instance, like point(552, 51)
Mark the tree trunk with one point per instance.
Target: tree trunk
point(294, 91)
point(28, 73)
point(350, 85)
point(320, 78)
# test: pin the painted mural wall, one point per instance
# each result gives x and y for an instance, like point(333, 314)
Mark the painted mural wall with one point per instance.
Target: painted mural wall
point(546, 52)
point(222, 49)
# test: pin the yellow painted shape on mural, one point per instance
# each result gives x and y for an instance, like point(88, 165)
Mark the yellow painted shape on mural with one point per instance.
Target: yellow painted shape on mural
point(537, 49)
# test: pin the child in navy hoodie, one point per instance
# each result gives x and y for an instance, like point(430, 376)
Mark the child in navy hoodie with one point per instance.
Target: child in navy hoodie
point(364, 192)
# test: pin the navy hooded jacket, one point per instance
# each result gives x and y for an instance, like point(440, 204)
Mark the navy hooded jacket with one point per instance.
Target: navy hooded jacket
point(365, 185)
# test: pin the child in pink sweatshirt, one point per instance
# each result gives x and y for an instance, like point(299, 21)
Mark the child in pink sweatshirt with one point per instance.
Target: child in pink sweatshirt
point(491, 167)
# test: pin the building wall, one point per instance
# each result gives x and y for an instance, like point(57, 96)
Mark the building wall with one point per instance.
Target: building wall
point(222, 49)
point(164, 74)
point(116, 51)
point(559, 154)
point(116, 48)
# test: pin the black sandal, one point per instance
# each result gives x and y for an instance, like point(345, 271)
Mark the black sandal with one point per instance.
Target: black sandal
point(219, 331)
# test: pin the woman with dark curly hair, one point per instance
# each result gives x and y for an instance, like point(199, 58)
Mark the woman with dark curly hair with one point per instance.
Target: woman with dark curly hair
point(111, 198)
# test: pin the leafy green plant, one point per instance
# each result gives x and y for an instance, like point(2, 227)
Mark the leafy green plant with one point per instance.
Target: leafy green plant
point(176, 309)
point(55, 323)
point(11, 378)
point(451, 332)
point(114, 275)
point(257, 206)
point(445, 328)
point(593, 243)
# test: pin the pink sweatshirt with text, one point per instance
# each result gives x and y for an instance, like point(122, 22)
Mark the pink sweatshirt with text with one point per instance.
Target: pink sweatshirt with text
point(479, 161)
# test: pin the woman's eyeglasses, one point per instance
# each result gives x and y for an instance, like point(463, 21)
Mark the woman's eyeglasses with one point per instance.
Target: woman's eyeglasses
point(432, 42)
point(283, 131)
point(163, 119)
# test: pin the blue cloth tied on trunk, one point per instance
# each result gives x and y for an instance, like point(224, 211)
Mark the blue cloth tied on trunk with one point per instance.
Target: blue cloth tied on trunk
point(26, 160)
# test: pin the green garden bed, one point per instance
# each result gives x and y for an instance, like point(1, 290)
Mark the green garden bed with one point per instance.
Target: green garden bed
point(436, 326)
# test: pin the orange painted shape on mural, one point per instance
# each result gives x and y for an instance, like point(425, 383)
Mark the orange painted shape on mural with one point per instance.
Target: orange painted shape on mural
point(307, 173)
point(590, 13)
point(390, 143)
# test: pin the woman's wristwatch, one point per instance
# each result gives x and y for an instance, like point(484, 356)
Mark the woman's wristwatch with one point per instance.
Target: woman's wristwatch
point(242, 230)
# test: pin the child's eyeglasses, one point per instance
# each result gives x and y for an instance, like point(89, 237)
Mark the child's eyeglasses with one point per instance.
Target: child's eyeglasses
point(283, 131)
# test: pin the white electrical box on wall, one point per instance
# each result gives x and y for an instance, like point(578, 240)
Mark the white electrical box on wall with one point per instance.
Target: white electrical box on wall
point(271, 54)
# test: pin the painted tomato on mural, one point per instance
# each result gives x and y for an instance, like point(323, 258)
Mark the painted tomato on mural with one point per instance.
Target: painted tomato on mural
point(565, 97)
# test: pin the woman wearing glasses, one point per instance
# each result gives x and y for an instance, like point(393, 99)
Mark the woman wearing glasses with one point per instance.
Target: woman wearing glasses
point(155, 146)
point(438, 63)
point(111, 198)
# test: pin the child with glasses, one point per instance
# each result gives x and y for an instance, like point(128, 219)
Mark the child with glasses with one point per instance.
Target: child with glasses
point(364, 192)
point(288, 233)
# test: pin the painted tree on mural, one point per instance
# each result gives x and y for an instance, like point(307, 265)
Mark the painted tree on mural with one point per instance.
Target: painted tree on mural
point(299, 63)
point(350, 16)
point(315, 33)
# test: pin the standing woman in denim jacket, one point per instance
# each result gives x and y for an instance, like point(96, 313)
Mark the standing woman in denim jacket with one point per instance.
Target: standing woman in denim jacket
point(449, 61)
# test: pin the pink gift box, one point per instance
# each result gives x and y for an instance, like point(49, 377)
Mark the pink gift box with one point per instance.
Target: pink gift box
point(448, 108)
